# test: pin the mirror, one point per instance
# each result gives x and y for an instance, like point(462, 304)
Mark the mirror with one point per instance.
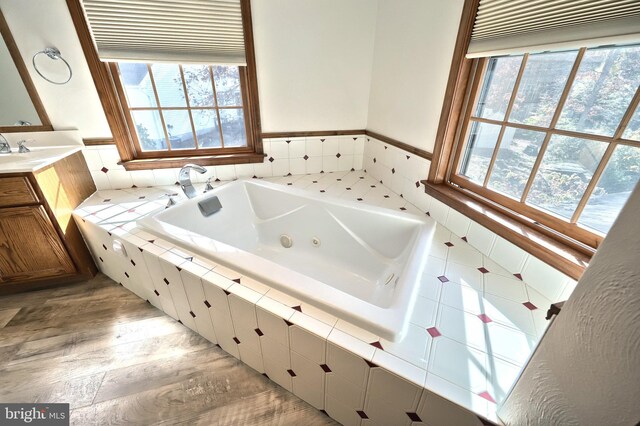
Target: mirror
point(20, 107)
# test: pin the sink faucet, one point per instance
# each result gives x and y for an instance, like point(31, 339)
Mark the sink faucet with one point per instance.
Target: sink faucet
point(185, 179)
point(22, 148)
point(5, 148)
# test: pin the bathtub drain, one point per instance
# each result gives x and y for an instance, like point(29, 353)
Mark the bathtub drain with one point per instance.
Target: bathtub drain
point(286, 241)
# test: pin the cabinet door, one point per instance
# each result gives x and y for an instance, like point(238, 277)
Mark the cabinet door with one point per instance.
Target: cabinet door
point(30, 248)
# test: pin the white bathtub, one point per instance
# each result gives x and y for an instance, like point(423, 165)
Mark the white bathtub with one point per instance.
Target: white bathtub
point(358, 262)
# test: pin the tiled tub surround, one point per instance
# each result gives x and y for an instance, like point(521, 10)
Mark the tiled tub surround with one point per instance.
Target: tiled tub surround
point(283, 156)
point(474, 325)
point(398, 170)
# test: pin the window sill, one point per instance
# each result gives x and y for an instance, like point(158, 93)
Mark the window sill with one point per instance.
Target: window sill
point(206, 160)
point(567, 256)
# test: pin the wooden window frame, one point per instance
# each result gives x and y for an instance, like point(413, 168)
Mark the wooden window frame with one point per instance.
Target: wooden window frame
point(571, 228)
point(558, 250)
point(106, 80)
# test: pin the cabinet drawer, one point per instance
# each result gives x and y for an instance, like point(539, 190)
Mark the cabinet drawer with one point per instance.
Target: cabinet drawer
point(15, 191)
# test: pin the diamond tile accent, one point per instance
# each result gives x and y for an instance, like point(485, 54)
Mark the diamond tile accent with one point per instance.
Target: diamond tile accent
point(289, 323)
point(106, 200)
point(487, 396)
point(236, 280)
point(483, 270)
point(207, 304)
point(166, 281)
point(376, 345)
point(362, 414)
point(386, 196)
point(156, 292)
point(448, 244)
point(530, 306)
point(271, 159)
point(485, 318)
point(464, 239)
point(101, 259)
point(443, 279)
point(518, 276)
point(417, 184)
point(393, 171)
point(433, 332)
point(126, 274)
point(306, 157)
point(235, 339)
point(104, 247)
point(402, 208)
point(297, 308)
point(370, 364)
point(325, 368)
point(374, 159)
point(104, 170)
point(132, 262)
point(359, 199)
point(414, 417)
point(291, 373)
point(192, 314)
point(259, 332)
point(338, 155)
point(142, 197)
point(226, 292)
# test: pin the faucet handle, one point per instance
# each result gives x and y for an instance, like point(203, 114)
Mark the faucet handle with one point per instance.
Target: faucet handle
point(22, 147)
point(208, 187)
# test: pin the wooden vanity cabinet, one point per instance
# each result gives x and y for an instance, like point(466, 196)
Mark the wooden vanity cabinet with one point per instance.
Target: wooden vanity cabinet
point(40, 244)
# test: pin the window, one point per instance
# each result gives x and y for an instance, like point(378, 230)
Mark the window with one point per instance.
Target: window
point(554, 136)
point(183, 109)
point(164, 111)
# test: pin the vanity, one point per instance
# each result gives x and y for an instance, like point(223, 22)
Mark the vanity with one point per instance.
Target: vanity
point(40, 244)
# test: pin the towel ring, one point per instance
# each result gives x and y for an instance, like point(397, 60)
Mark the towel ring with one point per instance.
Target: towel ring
point(54, 54)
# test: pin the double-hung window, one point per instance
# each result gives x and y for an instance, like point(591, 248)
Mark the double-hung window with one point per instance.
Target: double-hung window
point(554, 136)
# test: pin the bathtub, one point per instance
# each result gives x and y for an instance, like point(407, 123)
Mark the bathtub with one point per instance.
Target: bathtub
point(361, 263)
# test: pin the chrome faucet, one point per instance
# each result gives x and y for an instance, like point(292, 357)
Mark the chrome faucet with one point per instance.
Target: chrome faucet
point(185, 179)
point(5, 148)
point(22, 148)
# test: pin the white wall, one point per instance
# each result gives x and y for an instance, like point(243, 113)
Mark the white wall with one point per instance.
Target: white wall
point(586, 368)
point(413, 49)
point(36, 24)
point(314, 62)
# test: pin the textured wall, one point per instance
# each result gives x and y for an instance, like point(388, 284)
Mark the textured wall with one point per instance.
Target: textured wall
point(586, 370)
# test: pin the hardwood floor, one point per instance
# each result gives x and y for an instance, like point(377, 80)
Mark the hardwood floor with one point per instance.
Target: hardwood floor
point(118, 360)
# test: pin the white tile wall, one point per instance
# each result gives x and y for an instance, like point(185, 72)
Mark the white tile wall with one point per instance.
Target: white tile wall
point(283, 156)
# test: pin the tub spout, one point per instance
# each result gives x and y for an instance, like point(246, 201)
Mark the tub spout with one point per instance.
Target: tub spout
point(185, 179)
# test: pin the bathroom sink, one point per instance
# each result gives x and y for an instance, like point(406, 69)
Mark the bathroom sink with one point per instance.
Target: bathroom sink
point(34, 160)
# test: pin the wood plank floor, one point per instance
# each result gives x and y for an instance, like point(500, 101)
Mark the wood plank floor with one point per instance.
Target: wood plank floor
point(118, 360)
